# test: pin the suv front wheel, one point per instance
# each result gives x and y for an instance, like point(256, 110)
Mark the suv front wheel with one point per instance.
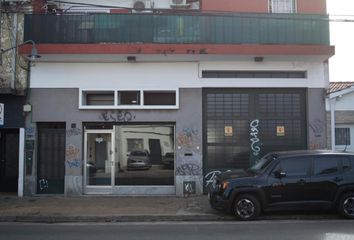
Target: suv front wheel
point(346, 205)
point(246, 207)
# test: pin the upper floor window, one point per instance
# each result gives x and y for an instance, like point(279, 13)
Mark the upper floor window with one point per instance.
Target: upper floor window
point(254, 74)
point(282, 6)
point(129, 99)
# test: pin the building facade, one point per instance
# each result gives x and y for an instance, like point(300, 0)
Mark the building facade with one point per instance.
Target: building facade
point(156, 101)
point(13, 88)
point(340, 116)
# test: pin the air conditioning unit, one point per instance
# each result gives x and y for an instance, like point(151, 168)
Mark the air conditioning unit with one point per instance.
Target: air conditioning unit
point(179, 4)
point(141, 5)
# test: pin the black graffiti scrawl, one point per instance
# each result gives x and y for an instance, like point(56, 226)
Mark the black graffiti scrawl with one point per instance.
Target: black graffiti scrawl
point(116, 116)
point(189, 169)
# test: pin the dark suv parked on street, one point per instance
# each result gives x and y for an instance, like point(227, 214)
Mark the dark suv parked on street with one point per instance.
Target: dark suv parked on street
point(294, 180)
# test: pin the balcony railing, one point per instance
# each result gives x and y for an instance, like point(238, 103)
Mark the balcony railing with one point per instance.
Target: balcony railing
point(199, 28)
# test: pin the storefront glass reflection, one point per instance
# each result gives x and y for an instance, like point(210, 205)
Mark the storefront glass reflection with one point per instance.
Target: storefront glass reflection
point(144, 155)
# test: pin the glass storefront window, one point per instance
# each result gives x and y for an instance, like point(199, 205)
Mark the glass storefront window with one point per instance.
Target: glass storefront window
point(144, 155)
point(130, 155)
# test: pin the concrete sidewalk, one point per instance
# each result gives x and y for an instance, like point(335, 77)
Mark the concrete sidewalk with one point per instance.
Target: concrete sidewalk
point(54, 209)
point(106, 209)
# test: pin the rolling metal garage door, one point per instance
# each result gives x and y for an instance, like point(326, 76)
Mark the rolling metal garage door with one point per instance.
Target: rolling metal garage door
point(241, 125)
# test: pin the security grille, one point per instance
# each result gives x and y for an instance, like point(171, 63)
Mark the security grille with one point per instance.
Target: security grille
point(277, 115)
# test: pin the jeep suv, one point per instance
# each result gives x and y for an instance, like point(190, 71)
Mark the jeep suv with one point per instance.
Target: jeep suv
point(294, 180)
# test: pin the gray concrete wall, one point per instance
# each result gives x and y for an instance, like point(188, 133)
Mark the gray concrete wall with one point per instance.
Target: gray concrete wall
point(316, 115)
point(61, 105)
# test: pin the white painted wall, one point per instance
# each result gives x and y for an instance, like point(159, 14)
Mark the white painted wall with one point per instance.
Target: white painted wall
point(161, 75)
point(344, 103)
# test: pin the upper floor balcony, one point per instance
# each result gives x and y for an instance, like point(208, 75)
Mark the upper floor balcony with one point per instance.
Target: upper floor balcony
point(96, 28)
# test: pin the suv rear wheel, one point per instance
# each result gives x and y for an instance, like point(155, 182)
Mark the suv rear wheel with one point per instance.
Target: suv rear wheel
point(246, 207)
point(346, 205)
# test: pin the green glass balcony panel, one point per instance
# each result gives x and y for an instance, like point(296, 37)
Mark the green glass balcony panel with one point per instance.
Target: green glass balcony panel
point(179, 29)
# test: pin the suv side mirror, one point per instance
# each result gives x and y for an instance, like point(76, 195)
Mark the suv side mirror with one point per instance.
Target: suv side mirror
point(279, 174)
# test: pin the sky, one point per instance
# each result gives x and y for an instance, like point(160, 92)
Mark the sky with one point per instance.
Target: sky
point(341, 66)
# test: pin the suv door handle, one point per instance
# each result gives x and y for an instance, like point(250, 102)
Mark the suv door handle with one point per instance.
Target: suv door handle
point(338, 179)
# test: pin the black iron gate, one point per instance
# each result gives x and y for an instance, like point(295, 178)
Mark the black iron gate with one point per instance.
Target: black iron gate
point(241, 125)
point(9, 157)
point(51, 158)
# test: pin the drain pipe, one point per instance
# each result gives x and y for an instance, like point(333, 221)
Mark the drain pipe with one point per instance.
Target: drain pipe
point(332, 104)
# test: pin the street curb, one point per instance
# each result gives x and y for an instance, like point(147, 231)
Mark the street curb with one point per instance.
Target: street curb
point(156, 218)
point(107, 219)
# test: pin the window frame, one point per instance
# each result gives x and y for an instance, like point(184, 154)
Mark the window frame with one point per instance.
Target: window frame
point(294, 7)
point(120, 98)
point(140, 140)
point(116, 105)
point(84, 99)
point(335, 136)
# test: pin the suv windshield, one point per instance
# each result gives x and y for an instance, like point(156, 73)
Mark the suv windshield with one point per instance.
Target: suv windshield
point(263, 163)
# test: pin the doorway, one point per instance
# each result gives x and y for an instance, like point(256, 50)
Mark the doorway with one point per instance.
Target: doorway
point(9, 157)
point(98, 158)
point(51, 158)
point(155, 151)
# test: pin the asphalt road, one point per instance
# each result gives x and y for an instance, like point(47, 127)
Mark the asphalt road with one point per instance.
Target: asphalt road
point(272, 230)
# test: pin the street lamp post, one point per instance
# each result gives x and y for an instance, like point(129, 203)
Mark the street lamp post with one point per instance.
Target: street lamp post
point(31, 57)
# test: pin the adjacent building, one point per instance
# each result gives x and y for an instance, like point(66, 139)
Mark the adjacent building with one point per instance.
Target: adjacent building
point(340, 116)
point(152, 98)
point(13, 88)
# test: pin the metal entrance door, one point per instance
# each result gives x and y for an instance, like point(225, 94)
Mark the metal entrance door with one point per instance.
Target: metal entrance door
point(51, 158)
point(9, 150)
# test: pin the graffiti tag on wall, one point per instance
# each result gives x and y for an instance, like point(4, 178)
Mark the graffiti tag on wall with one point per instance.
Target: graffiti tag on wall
point(116, 116)
point(43, 184)
point(189, 169)
point(30, 133)
point(210, 177)
point(75, 163)
point(73, 132)
point(188, 137)
point(255, 141)
point(317, 126)
point(255, 148)
point(72, 154)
